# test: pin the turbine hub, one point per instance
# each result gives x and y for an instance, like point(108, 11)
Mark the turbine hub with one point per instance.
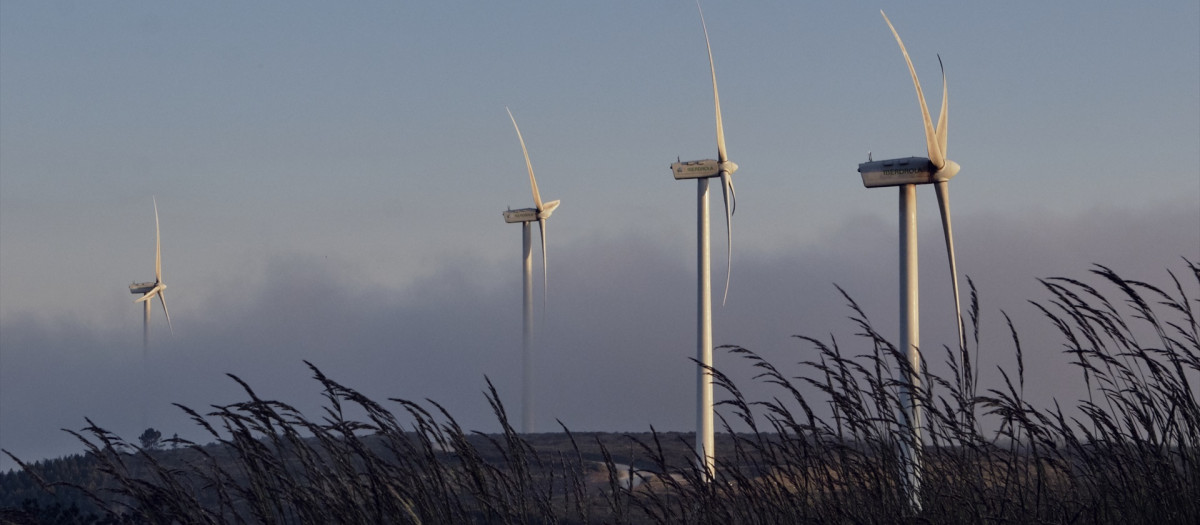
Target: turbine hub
point(547, 209)
point(728, 167)
point(947, 172)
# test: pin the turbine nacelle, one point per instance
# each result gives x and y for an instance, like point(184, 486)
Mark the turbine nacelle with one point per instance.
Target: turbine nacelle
point(141, 288)
point(521, 215)
point(530, 214)
point(702, 169)
point(151, 293)
point(908, 170)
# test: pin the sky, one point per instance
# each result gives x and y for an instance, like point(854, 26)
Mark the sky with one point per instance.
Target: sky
point(330, 182)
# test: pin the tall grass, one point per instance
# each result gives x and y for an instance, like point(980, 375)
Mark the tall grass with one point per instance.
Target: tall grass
point(1127, 453)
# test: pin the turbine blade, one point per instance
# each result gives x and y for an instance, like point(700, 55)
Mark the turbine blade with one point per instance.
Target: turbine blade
point(732, 198)
point(537, 197)
point(931, 141)
point(726, 189)
point(158, 288)
point(163, 299)
point(942, 124)
point(943, 196)
point(545, 274)
point(157, 246)
point(721, 156)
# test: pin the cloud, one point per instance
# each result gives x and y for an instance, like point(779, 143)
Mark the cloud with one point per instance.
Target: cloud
point(614, 342)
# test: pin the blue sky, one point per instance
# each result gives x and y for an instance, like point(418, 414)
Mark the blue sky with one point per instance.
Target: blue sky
point(330, 181)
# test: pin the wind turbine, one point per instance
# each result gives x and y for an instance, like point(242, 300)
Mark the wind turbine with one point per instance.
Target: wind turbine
point(907, 173)
point(702, 170)
point(152, 289)
point(540, 212)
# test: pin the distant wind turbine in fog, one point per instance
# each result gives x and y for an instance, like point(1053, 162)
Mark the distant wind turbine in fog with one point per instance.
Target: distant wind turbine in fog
point(153, 289)
point(907, 173)
point(702, 170)
point(540, 212)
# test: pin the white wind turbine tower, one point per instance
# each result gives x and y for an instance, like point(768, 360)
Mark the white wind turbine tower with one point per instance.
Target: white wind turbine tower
point(540, 212)
point(907, 173)
point(702, 170)
point(152, 289)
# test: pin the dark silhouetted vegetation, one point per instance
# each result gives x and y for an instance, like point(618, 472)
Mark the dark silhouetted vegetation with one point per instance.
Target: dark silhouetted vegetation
point(1127, 453)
